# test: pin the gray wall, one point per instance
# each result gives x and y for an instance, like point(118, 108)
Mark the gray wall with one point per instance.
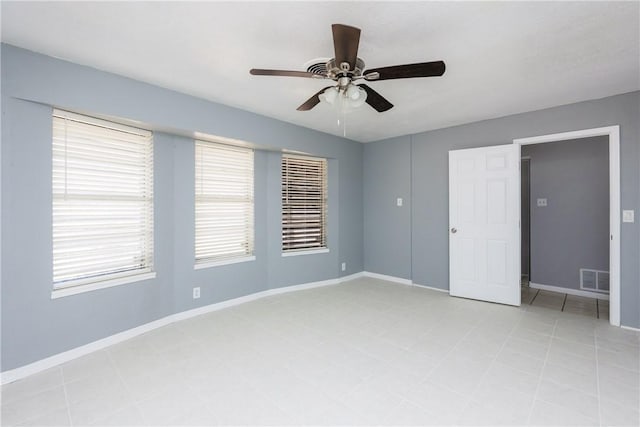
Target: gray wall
point(427, 232)
point(572, 231)
point(33, 325)
point(388, 178)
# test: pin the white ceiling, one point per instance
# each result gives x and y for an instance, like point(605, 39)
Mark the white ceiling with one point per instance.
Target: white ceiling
point(502, 57)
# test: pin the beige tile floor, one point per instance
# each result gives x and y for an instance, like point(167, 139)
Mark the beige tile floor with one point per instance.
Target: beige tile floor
point(365, 352)
point(564, 302)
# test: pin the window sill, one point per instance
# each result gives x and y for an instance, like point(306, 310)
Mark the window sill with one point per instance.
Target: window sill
point(225, 262)
point(305, 252)
point(79, 289)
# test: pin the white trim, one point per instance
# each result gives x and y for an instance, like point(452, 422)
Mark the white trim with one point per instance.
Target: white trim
point(305, 252)
point(208, 264)
point(577, 292)
point(60, 358)
point(387, 278)
point(351, 277)
point(108, 124)
point(565, 136)
point(446, 291)
point(79, 289)
point(251, 297)
point(613, 132)
point(629, 328)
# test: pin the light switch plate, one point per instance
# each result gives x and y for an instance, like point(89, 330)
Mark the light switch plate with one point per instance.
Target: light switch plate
point(628, 215)
point(399, 201)
point(542, 202)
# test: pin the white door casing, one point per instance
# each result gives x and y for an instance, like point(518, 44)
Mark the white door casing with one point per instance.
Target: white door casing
point(484, 223)
point(613, 133)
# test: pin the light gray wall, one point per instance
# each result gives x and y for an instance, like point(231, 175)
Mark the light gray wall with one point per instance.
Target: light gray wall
point(572, 231)
point(427, 232)
point(388, 178)
point(33, 325)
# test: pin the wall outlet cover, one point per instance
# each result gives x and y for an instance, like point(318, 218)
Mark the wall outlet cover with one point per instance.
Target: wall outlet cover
point(196, 293)
point(399, 201)
point(628, 215)
point(343, 267)
point(542, 202)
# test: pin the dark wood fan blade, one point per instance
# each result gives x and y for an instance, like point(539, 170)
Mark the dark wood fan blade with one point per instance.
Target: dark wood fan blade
point(423, 69)
point(313, 101)
point(345, 44)
point(377, 101)
point(285, 73)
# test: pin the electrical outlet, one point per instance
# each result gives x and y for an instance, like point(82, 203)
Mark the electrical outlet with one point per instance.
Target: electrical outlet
point(399, 201)
point(196, 293)
point(343, 266)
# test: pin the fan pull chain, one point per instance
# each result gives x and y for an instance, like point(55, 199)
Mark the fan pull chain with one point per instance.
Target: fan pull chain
point(341, 111)
point(344, 123)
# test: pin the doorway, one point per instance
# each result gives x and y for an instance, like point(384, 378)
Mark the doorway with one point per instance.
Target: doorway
point(613, 135)
point(568, 242)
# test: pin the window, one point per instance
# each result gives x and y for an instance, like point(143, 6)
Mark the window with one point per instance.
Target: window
point(304, 203)
point(224, 203)
point(102, 202)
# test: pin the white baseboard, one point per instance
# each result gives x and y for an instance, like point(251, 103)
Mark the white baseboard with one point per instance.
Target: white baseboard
point(60, 358)
point(569, 291)
point(351, 277)
point(387, 278)
point(629, 328)
point(400, 280)
point(66, 356)
point(431, 288)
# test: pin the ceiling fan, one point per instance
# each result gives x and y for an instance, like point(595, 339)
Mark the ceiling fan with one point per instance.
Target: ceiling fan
point(346, 68)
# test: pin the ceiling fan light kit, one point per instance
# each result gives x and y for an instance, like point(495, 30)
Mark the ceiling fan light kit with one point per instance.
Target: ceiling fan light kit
point(345, 68)
point(344, 99)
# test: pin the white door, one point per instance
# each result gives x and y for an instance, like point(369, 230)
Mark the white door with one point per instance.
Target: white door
point(484, 218)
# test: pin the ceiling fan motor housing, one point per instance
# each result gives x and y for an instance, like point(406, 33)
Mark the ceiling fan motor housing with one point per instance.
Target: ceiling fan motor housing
point(334, 71)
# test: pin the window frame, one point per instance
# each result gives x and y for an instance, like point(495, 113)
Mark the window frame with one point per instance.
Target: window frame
point(247, 199)
point(99, 130)
point(323, 246)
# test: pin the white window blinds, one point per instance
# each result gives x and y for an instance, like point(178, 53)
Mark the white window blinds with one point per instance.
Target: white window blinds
point(224, 202)
point(304, 203)
point(102, 200)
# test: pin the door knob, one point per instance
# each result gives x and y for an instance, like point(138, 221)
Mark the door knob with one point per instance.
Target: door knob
point(454, 230)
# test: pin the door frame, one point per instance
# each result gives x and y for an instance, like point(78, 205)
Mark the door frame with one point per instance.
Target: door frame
point(613, 133)
point(528, 159)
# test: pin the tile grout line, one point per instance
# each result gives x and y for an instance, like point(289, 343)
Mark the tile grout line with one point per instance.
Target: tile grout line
point(564, 302)
point(66, 397)
point(595, 343)
point(126, 386)
point(495, 359)
point(445, 358)
point(534, 297)
point(544, 364)
point(469, 399)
